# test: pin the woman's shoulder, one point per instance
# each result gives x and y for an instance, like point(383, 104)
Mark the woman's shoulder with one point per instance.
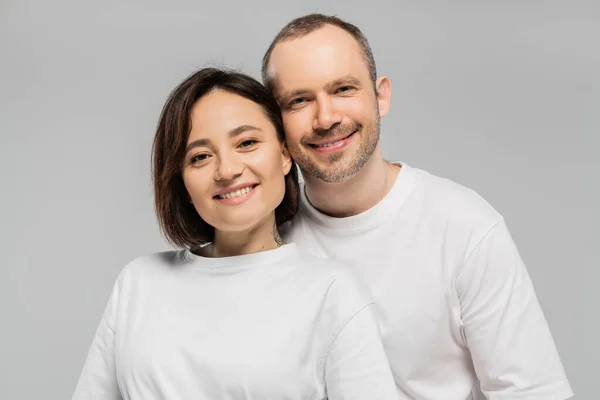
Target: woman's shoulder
point(342, 277)
point(161, 259)
point(341, 290)
point(150, 265)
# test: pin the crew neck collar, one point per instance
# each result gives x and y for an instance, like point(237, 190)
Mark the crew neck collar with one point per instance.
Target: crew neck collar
point(380, 212)
point(261, 258)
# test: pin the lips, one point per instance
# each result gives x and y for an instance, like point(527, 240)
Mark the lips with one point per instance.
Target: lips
point(331, 143)
point(235, 191)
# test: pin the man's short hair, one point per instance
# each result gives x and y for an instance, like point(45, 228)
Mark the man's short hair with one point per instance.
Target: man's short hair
point(178, 219)
point(306, 24)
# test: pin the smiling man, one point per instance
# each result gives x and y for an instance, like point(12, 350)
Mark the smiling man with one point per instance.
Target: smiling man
point(454, 298)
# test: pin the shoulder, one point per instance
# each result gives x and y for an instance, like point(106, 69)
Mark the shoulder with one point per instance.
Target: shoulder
point(344, 296)
point(139, 273)
point(454, 206)
point(343, 283)
point(159, 260)
point(323, 266)
point(452, 197)
point(152, 266)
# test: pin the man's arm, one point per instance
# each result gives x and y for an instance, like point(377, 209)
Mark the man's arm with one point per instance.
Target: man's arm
point(513, 351)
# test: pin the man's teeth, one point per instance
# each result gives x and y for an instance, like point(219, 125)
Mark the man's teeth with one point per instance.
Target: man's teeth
point(236, 193)
point(329, 144)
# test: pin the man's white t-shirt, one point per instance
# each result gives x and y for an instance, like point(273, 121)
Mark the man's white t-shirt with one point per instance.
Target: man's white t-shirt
point(278, 324)
point(454, 298)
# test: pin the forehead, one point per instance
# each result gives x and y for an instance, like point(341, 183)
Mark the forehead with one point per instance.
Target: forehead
point(315, 59)
point(221, 111)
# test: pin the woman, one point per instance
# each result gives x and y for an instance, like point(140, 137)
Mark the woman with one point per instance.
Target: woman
point(238, 313)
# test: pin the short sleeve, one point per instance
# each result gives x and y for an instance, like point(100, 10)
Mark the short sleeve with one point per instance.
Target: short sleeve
point(356, 365)
point(513, 351)
point(98, 379)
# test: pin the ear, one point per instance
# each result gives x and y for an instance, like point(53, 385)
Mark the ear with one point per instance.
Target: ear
point(383, 91)
point(286, 159)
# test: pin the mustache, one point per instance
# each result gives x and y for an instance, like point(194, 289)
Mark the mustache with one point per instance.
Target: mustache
point(335, 131)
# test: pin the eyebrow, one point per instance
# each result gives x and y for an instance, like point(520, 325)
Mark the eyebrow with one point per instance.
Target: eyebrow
point(232, 133)
point(345, 80)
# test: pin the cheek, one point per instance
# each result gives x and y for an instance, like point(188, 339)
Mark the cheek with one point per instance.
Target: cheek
point(195, 184)
point(277, 179)
point(359, 109)
point(268, 162)
point(297, 125)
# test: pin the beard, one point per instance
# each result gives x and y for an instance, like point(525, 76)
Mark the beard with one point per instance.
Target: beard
point(340, 166)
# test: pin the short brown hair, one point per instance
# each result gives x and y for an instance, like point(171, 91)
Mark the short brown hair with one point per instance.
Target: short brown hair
point(306, 24)
point(178, 219)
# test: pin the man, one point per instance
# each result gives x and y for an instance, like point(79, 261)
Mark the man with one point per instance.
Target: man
point(454, 298)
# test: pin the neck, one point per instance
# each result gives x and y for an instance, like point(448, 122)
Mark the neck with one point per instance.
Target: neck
point(261, 237)
point(357, 194)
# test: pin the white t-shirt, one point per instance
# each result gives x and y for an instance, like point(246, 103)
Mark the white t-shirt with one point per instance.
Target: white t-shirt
point(278, 324)
point(454, 298)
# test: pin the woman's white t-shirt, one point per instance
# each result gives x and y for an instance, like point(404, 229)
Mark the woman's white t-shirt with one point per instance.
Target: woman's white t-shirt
point(278, 324)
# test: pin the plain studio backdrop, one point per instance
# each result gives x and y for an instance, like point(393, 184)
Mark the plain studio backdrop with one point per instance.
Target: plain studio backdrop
point(503, 97)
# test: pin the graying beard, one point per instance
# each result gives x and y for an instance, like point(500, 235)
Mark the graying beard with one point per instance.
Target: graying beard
point(348, 171)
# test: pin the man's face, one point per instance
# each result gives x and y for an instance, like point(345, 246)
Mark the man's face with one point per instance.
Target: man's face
point(330, 109)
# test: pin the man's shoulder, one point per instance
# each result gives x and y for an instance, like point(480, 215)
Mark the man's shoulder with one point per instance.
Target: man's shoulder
point(436, 201)
point(447, 199)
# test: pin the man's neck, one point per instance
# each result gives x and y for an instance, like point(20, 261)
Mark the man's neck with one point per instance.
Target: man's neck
point(356, 195)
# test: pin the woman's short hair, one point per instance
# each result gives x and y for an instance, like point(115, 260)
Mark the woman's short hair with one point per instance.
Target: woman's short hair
point(178, 219)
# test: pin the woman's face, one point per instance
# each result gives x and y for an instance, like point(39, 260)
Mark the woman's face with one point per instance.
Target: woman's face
point(235, 166)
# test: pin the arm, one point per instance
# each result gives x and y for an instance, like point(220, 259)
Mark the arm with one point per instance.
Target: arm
point(513, 352)
point(356, 366)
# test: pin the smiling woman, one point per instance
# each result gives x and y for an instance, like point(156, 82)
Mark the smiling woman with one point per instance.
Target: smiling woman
point(226, 123)
point(234, 171)
point(236, 313)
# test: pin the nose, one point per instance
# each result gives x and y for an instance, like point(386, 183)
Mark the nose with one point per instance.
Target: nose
point(229, 167)
point(327, 114)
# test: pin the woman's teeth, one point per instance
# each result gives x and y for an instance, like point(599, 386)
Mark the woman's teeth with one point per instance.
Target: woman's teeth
point(236, 193)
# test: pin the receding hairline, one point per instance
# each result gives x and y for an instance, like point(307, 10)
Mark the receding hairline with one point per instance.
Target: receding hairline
point(270, 75)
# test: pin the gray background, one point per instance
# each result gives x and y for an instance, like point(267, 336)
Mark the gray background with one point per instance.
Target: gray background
point(500, 96)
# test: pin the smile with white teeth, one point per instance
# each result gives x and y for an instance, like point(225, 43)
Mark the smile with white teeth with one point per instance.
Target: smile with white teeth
point(328, 144)
point(236, 193)
point(332, 143)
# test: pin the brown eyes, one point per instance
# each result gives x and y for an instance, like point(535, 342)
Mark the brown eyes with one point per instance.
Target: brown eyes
point(198, 158)
point(247, 143)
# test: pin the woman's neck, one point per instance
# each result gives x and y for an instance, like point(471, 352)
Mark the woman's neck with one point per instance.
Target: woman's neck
point(261, 237)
